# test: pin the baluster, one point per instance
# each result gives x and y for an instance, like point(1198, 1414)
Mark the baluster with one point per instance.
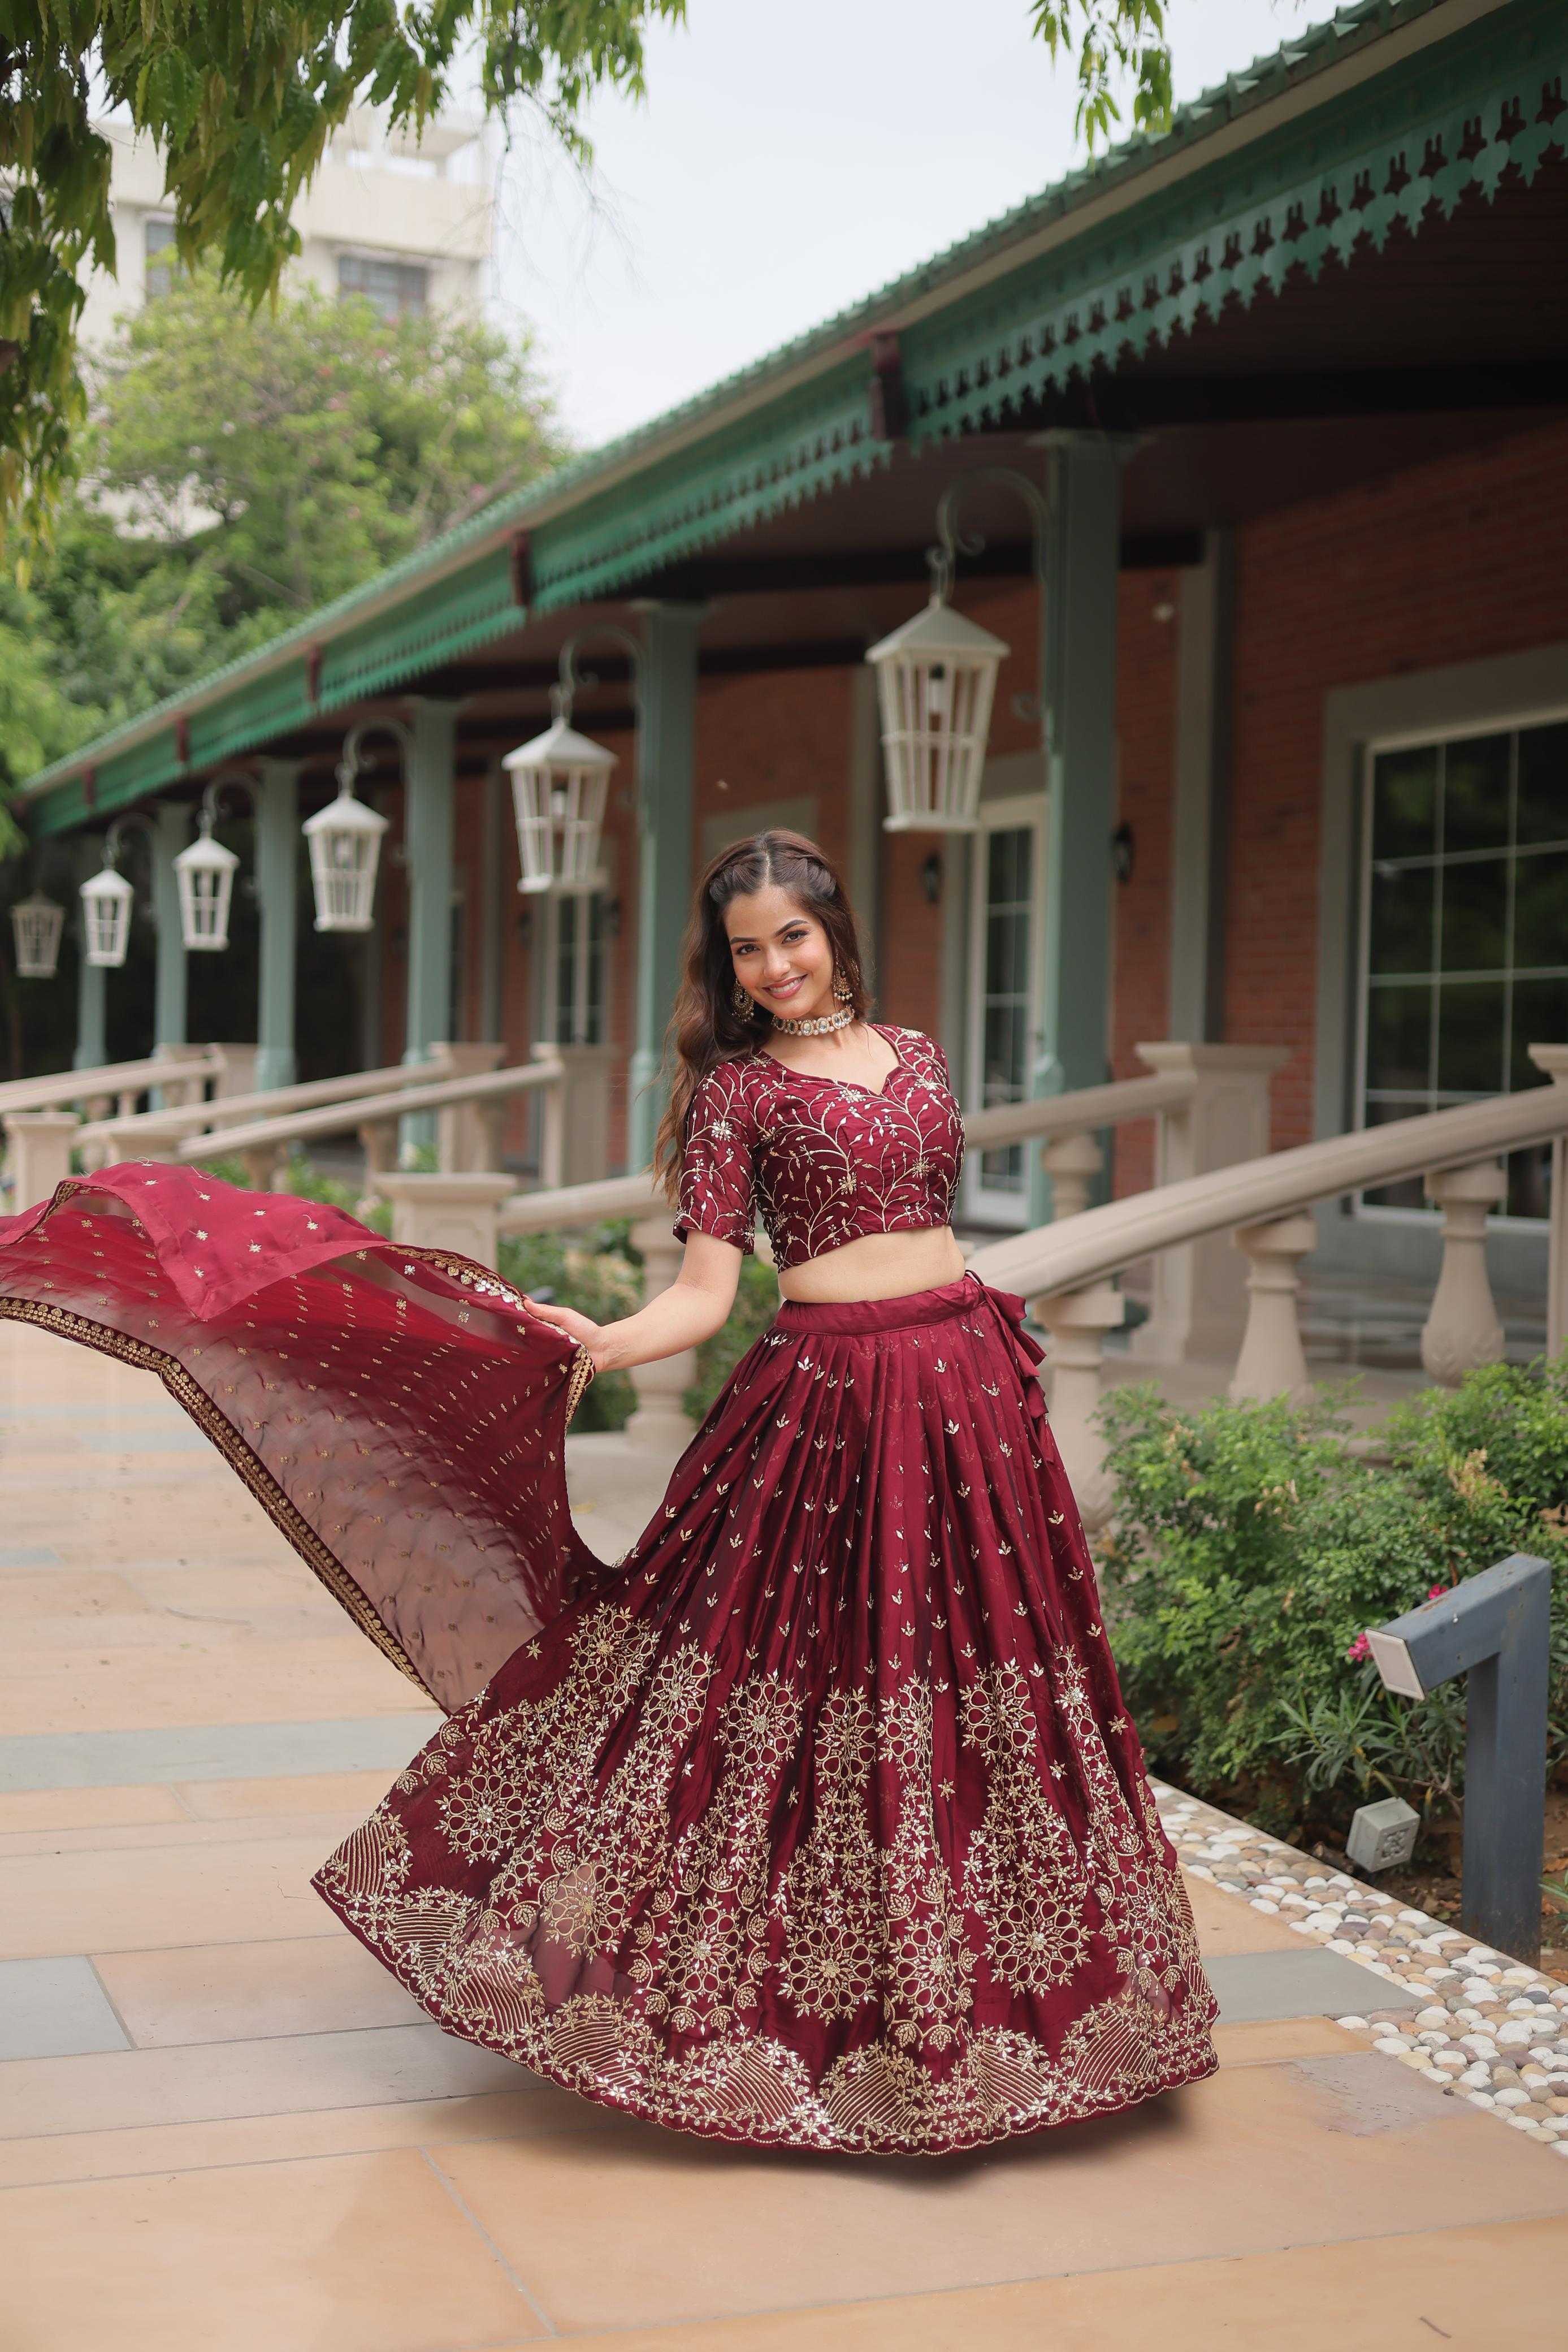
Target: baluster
point(660, 1419)
point(1271, 1362)
point(1462, 1329)
point(1078, 1322)
point(1072, 1162)
point(265, 1164)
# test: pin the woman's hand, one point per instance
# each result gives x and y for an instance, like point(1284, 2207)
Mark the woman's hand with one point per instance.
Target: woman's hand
point(599, 1339)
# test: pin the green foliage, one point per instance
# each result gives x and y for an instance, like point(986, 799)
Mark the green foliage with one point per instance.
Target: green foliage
point(599, 1274)
point(244, 469)
point(756, 1304)
point(241, 97)
point(1114, 39)
point(1253, 1549)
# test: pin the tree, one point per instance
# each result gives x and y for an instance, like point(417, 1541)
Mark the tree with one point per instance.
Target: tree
point(1116, 39)
point(241, 97)
point(244, 466)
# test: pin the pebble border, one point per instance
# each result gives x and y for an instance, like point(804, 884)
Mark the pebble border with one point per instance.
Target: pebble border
point(1492, 2030)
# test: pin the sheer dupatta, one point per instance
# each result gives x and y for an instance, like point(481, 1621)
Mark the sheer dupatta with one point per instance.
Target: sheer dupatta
point(398, 1413)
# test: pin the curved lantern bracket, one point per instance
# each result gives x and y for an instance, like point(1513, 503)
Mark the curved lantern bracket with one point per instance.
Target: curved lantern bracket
point(573, 679)
point(345, 837)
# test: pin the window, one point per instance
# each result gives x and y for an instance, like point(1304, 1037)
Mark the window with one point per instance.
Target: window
point(1006, 990)
point(577, 957)
point(161, 262)
point(391, 286)
point(1465, 930)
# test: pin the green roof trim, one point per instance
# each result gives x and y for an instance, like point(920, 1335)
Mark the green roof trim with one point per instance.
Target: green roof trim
point(1459, 115)
point(1454, 113)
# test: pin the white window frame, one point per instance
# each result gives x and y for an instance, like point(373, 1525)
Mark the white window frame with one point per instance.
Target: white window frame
point(1009, 1209)
point(1374, 747)
point(582, 953)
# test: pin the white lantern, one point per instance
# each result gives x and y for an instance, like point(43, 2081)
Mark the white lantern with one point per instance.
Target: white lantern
point(935, 678)
point(559, 784)
point(345, 840)
point(204, 874)
point(35, 927)
point(107, 899)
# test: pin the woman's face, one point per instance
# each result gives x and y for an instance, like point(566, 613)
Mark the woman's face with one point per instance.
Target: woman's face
point(781, 954)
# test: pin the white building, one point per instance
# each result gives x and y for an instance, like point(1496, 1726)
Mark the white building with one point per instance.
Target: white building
point(409, 223)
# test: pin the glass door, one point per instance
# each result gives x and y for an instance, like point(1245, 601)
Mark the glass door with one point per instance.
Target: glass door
point(574, 966)
point(1006, 989)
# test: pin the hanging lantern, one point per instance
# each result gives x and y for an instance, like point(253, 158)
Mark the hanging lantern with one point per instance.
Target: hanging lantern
point(107, 899)
point(204, 874)
point(345, 840)
point(35, 927)
point(559, 784)
point(935, 678)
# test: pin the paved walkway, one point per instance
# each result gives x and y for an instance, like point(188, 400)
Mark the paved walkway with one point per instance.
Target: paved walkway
point(221, 2126)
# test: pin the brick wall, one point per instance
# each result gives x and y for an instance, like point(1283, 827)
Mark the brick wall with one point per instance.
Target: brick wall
point(1449, 563)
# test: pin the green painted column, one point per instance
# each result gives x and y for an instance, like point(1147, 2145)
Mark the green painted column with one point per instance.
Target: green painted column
point(431, 799)
point(277, 892)
point(1083, 555)
point(171, 831)
point(666, 741)
point(92, 1001)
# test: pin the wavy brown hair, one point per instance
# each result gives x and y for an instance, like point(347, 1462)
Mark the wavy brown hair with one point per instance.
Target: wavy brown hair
point(704, 1027)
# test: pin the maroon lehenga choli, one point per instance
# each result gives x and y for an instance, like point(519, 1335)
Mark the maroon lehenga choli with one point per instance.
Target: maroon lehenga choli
point(817, 1821)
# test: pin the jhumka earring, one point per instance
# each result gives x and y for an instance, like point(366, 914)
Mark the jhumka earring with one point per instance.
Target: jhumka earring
point(842, 989)
point(745, 1005)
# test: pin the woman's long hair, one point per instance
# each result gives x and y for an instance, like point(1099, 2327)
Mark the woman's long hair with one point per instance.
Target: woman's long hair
point(704, 1027)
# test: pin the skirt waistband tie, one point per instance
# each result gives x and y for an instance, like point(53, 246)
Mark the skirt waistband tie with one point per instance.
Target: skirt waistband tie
point(859, 1317)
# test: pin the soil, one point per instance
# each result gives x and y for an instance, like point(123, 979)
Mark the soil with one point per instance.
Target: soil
point(1430, 1883)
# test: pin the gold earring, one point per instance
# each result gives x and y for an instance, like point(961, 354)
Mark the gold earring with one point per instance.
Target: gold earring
point(744, 1005)
point(842, 990)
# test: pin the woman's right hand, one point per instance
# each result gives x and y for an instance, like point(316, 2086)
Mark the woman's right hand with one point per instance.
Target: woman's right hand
point(597, 1338)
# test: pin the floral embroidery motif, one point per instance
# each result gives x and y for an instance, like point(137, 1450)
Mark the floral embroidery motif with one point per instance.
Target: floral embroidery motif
point(821, 1162)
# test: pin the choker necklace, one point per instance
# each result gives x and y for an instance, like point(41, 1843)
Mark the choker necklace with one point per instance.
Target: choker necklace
point(822, 1028)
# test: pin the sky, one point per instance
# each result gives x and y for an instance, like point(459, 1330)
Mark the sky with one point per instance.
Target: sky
point(790, 157)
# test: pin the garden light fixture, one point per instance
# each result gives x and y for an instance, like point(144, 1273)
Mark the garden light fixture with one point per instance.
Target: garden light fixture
point(37, 924)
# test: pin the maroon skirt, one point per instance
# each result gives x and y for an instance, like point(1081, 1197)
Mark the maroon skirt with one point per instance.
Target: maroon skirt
point(820, 1823)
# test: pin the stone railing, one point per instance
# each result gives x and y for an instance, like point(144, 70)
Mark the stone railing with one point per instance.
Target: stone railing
point(1210, 1109)
point(40, 1118)
point(103, 1142)
point(1065, 1270)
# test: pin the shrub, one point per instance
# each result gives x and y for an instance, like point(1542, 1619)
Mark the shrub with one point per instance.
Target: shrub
point(1252, 1548)
point(599, 1273)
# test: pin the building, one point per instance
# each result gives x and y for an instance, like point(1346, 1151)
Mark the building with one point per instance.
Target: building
point(1284, 390)
point(407, 224)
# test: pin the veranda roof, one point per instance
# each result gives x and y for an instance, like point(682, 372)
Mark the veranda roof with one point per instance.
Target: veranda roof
point(1386, 117)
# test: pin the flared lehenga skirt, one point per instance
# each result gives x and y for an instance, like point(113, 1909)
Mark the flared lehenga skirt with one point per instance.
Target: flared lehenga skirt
point(816, 1822)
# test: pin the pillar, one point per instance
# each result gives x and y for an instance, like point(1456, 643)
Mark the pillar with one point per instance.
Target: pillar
point(665, 750)
point(92, 1004)
point(1083, 557)
point(1201, 830)
point(278, 893)
point(171, 831)
point(430, 794)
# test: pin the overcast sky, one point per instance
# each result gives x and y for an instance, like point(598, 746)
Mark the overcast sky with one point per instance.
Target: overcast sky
point(791, 156)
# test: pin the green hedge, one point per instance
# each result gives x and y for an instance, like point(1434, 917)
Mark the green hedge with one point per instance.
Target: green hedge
point(1252, 1548)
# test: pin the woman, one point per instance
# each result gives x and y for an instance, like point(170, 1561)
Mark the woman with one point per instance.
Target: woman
point(817, 1821)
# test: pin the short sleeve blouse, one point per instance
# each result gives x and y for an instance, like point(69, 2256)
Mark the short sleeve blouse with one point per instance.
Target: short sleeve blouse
point(820, 1160)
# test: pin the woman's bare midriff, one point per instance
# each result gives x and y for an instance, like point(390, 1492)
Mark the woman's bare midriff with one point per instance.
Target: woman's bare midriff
point(877, 1266)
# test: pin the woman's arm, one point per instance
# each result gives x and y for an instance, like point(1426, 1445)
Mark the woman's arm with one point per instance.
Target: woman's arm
point(695, 1305)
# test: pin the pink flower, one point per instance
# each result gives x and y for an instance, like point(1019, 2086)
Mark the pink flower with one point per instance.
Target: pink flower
point(1438, 1591)
point(1359, 1649)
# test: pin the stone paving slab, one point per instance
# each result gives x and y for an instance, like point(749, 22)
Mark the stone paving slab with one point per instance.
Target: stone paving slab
point(215, 1752)
point(1252, 1986)
point(55, 2007)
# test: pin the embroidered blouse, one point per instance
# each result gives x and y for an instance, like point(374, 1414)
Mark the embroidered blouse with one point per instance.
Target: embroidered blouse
point(821, 1161)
